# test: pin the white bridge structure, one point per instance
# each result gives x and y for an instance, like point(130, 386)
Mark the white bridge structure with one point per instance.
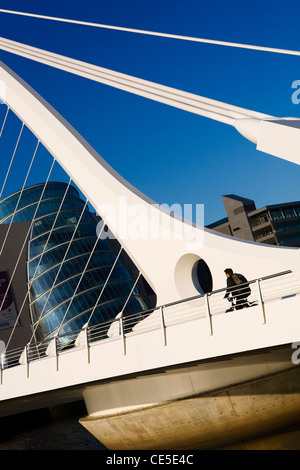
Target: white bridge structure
point(186, 374)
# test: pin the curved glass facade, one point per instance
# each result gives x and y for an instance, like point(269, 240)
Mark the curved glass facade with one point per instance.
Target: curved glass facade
point(63, 288)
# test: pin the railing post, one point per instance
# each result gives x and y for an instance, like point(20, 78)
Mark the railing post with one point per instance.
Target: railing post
point(163, 325)
point(56, 352)
point(208, 314)
point(26, 360)
point(87, 343)
point(122, 334)
point(260, 300)
point(2, 361)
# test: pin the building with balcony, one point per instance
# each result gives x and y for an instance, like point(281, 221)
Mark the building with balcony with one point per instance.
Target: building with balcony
point(277, 224)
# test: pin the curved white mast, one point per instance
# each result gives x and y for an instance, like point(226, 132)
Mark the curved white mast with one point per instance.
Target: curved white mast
point(163, 246)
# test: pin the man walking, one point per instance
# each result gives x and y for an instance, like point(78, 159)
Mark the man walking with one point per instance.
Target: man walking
point(237, 289)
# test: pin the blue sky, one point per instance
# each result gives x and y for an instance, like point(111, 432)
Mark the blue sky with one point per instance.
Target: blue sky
point(170, 155)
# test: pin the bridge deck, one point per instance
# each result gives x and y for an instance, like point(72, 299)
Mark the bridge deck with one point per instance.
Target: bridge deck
point(178, 334)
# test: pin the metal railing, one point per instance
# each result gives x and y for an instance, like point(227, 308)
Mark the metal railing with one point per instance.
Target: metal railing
point(263, 290)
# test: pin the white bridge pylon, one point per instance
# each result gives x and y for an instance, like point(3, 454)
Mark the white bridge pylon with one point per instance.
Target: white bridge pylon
point(165, 247)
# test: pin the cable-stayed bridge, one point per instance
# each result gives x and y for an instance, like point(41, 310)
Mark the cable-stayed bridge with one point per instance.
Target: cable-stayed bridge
point(212, 373)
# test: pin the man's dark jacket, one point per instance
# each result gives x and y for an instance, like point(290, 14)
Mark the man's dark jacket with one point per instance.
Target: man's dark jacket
point(237, 286)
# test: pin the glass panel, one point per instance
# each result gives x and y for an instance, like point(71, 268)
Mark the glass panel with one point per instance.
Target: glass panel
point(288, 213)
point(33, 194)
point(77, 248)
point(276, 214)
point(65, 290)
point(60, 236)
point(44, 207)
point(67, 217)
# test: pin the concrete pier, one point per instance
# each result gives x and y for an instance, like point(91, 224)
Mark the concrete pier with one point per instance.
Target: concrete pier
point(260, 414)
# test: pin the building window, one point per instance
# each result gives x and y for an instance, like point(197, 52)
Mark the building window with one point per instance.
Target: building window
point(259, 220)
point(276, 214)
point(288, 213)
point(263, 233)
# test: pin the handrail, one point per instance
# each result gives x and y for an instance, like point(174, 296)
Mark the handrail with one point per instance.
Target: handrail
point(124, 324)
point(187, 299)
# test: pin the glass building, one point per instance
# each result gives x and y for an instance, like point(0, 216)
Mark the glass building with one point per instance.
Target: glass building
point(67, 267)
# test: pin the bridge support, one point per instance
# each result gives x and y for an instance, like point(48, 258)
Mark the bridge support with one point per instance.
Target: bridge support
point(254, 414)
